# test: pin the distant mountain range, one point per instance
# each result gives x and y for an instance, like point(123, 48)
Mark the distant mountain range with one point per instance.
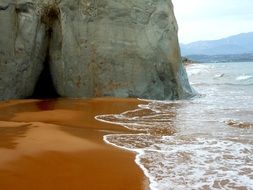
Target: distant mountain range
point(237, 44)
point(230, 48)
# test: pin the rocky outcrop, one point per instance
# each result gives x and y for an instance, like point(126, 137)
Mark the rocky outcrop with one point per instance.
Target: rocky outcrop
point(95, 47)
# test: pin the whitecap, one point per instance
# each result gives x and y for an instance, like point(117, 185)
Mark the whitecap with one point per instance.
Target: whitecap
point(219, 75)
point(244, 77)
point(196, 69)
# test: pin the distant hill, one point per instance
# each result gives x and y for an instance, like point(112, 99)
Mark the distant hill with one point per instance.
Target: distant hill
point(237, 44)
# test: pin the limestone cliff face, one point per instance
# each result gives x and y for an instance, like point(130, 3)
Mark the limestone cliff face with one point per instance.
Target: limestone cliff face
point(97, 48)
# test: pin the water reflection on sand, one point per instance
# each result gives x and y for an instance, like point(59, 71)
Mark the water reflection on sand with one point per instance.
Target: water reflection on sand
point(57, 144)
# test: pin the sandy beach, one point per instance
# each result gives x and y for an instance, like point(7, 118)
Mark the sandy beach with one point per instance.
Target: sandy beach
point(57, 144)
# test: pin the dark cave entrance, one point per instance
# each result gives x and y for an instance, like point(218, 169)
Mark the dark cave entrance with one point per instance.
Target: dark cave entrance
point(44, 88)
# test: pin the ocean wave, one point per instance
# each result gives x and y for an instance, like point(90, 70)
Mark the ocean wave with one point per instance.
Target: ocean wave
point(186, 144)
point(196, 69)
point(219, 75)
point(142, 119)
point(221, 84)
point(182, 162)
point(244, 77)
point(172, 160)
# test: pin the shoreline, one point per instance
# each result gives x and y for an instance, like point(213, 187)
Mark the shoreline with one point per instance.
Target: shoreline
point(58, 144)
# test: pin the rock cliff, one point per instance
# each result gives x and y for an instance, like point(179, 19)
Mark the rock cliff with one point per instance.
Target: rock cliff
point(94, 48)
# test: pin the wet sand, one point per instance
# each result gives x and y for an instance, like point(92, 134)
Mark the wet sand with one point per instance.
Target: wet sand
point(57, 144)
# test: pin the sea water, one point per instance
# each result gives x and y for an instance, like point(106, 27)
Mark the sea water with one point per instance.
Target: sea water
point(202, 143)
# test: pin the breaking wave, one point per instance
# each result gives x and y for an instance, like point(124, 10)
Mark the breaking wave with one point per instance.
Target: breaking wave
point(173, 160)
point(244, 77)
point(202, 143)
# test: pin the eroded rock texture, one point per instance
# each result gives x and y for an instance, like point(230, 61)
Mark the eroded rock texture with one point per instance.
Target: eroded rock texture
point(96, 48)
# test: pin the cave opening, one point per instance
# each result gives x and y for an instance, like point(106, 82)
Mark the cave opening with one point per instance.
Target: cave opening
point(44, 88)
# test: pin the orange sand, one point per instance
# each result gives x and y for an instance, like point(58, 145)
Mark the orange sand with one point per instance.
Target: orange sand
point(57, 144)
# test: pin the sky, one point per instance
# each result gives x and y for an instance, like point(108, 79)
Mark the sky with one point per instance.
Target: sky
point(212, 19)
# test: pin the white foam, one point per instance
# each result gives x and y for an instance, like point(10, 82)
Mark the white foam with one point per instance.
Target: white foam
point(139, 154)
point(196, 161)
point(196, 69)
point(180, 162)
point(219, 75)
point(205, 153)
point(244, 77)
